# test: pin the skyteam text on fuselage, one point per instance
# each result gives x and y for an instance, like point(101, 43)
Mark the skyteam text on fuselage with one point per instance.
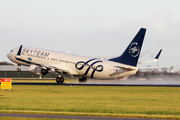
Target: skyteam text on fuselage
point(42, 61)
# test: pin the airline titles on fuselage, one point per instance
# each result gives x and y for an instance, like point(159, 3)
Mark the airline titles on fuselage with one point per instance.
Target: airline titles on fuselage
point(35, 53)
point(44, 55)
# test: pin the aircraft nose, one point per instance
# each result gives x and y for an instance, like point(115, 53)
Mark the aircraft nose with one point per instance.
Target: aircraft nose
point(8, 55)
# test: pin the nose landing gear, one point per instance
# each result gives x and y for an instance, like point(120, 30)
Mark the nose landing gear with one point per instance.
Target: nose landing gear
point(18, 69)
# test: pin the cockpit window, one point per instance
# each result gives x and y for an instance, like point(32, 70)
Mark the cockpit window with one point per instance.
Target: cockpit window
point(11, 51)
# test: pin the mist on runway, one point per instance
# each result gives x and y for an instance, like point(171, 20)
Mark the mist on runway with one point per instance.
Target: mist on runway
point(140, 81)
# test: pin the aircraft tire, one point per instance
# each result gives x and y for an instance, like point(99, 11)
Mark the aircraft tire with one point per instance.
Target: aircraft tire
point(80, 80)
point(83, 79)
point(62, 80)
point(18, 69)
point(57, 79)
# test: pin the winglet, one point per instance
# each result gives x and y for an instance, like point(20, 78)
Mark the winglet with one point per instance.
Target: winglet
point(18, 56)
point(157, 56)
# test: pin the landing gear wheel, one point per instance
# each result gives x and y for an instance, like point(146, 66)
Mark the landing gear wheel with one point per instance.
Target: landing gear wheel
point(82, 79)
point(18, 69)
point(60, 80)
point(57, 79)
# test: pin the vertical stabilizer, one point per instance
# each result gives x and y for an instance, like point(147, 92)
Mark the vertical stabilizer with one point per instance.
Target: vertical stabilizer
point(157, 56)
point(132, 52)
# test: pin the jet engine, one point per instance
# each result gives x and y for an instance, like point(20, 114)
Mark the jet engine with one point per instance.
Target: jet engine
point(37, 70)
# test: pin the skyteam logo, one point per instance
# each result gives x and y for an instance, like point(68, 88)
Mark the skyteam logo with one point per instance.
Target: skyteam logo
point(81, 64)
point(134, 49)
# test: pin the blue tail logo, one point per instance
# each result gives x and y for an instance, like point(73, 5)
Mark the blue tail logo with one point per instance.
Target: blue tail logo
point(134, 49)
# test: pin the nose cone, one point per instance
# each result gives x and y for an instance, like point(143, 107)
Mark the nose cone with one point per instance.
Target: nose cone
point(10, 55)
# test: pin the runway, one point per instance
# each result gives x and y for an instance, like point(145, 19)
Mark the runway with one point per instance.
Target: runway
point(70, 117)
point(93, 84)
point(98, 82)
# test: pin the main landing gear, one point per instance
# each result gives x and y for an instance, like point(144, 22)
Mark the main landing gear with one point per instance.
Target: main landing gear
point(82, 79)
point(60, 80)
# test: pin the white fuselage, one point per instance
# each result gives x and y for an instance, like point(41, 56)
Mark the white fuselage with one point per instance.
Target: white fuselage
point(76, 65)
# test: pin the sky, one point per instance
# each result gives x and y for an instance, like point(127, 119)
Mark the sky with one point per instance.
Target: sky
point(94, 28)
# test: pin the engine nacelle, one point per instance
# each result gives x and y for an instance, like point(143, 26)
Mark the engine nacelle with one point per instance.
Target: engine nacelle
point(37, 70)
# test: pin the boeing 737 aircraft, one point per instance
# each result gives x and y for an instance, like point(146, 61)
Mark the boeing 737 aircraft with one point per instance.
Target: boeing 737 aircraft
point(42, 61)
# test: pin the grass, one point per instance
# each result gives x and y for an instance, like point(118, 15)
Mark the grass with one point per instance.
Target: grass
point(22, 118)
point(141, 102)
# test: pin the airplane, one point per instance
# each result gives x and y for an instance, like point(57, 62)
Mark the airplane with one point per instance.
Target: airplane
point(41, 62)
point(155, 59)
point(149, 68)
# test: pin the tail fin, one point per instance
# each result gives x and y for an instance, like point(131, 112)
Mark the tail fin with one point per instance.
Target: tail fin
point(157, 56)
point(132, 52)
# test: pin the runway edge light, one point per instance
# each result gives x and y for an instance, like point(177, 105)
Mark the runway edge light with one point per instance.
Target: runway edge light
point(6, 83)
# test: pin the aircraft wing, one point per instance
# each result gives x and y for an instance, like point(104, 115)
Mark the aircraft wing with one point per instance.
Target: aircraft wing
point(46, 67)
point(155, 59)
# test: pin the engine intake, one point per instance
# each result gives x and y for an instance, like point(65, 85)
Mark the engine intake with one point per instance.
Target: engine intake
point(37, 70)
